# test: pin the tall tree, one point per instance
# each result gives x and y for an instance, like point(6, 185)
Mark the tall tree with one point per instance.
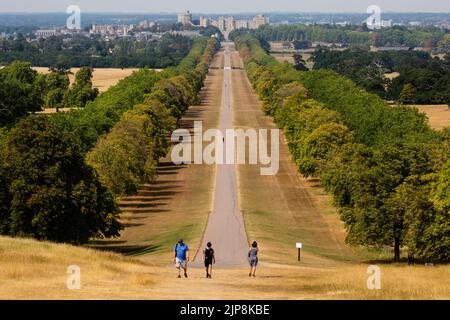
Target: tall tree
point(82, 90)
point(53, 194)
point(407, 94)
point(19, 92)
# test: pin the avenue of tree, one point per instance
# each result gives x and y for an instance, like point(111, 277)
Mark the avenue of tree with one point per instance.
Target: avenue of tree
point(388, 171)
point(58, 177)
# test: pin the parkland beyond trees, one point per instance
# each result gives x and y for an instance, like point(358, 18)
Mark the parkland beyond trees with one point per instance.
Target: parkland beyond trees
point(384, 166)
point(421, 79)
point(354, 35)
point(24, 91)
point(80, 51)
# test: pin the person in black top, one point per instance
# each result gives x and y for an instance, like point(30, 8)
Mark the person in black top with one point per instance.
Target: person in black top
point(208, 257)
point(253, 258)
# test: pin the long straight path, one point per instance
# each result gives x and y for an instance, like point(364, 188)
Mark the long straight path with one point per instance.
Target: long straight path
point(225, 228)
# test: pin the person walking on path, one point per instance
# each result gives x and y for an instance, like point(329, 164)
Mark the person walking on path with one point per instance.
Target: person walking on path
point(181, 257)
point(209, 259)
point(253, 258)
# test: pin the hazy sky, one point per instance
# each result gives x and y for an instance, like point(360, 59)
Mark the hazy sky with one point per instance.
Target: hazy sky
point(226, 6)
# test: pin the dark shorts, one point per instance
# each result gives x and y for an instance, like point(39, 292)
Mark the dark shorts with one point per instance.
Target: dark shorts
point(253, 261)
point(208, 262)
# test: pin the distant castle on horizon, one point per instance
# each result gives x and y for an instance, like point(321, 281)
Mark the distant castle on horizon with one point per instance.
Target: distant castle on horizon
point(227, 24)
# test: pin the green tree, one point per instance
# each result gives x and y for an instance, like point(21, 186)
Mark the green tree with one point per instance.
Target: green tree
point(299, 62)
point(364, 183)
point(56, 86)
point(53, 195)
point(19, 92)
point(82, 90)
point(287, 90)
point(427, 227)
point(62, 65)
point(407, 94)
point(123, 158)
point(319, 145)
point(442, 197)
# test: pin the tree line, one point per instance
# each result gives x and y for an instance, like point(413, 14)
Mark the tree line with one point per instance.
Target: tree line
point(54, 180)
point(302, 35)
point(422, 79)
point(81, 51)
point(387, 170)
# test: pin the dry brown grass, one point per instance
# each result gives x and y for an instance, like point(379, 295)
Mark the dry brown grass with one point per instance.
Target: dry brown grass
point(289, 57)
point(391, 75)
point(284, 57)
point(438, 115)
point(103, 78)
point(37, 270)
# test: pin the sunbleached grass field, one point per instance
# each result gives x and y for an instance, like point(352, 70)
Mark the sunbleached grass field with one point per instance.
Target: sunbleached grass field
point(38, 270)
point(102, 78)
point(438, 115)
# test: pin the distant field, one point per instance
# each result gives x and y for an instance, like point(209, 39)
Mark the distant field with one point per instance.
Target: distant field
point(438, 115)
point(391, 75)
point(289, 57)
point(103, 78)
point(284, 57)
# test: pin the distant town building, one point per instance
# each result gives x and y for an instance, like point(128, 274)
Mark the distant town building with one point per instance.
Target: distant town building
point(144, 24)
point(377, 49)
point(229, 24)
point(45, 33)
point(185, 18)
point(258, 21)
point(186, 33)
point(110, 30)
point(342, 24)
point(102, 29)
point(415, 23)
point(241, 24)
point(221, 24)
point(386, 23)
point(204, 22)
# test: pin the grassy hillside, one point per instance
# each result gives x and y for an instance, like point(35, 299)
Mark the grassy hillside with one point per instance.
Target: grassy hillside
point(37, 270)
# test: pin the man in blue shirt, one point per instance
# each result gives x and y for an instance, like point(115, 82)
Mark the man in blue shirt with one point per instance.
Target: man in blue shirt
point(181, 257)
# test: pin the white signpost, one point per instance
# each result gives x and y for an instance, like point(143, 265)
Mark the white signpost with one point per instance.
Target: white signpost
point(299, 246)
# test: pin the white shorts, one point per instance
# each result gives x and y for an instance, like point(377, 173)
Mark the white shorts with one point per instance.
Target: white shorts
point(180, 264)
